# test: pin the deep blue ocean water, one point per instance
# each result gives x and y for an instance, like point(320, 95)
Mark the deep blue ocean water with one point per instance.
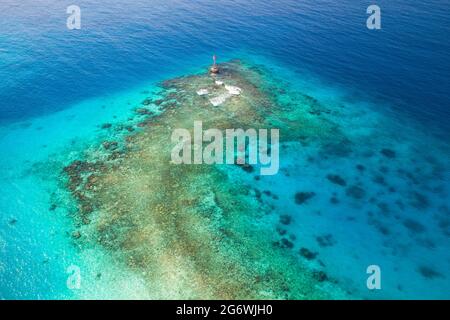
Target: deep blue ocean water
point(45, 68)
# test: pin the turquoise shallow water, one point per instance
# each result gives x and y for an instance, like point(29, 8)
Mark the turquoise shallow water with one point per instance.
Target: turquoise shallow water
point(37, 248)
point(55, 97)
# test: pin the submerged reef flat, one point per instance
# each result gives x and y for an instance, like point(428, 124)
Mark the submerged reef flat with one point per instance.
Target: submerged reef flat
point(355, 187)
point(192, 231)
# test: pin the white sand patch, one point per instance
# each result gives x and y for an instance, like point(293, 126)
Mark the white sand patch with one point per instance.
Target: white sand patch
point(233, 90)
point(217, 101)
point(202, 92)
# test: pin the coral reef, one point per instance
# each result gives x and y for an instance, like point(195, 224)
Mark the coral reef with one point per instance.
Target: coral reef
point(193, 231)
